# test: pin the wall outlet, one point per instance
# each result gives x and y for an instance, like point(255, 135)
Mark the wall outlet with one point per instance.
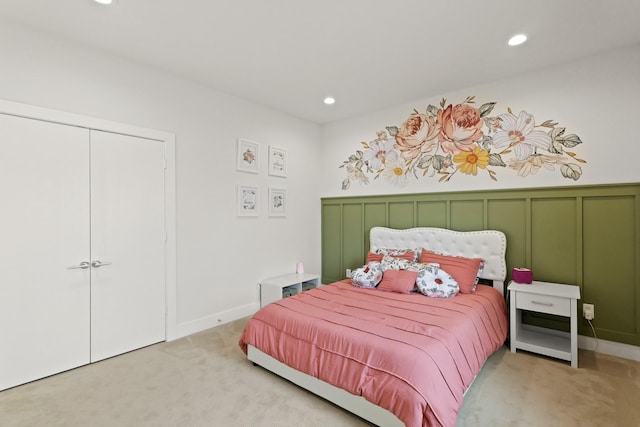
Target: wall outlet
point(348, 273)
point(588, 311)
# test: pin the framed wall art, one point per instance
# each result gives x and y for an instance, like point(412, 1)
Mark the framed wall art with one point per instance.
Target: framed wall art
point(248, 200)
point(277, 201)
point(277, 161)
point(248, 156)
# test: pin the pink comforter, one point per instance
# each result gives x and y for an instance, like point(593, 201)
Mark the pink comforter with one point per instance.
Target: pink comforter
point(410, 354)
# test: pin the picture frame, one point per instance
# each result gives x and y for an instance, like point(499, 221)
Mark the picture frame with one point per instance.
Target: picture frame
point(248, 156)
point(277, 201)
point(248, 200)
point(278, 161)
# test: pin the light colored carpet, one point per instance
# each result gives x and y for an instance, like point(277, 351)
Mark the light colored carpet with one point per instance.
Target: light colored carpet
point(205, 380)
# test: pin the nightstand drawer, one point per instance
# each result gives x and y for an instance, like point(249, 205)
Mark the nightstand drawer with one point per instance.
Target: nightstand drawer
point(543, 303)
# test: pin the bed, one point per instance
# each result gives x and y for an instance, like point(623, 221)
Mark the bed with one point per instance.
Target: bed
point(390, 358)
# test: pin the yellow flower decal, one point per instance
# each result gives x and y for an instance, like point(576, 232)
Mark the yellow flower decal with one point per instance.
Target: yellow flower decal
point(470, 162)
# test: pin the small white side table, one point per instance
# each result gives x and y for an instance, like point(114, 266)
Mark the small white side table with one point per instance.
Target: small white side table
point(551, 298)
point(276, 288)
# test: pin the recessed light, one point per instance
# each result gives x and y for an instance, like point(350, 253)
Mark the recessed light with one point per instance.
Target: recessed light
point(518, 39)
point(105, 1)
point(329, 100)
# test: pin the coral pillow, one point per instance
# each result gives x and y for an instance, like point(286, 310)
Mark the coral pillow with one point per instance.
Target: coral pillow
point(401, 281)
point(463, 270)
point(373, 257)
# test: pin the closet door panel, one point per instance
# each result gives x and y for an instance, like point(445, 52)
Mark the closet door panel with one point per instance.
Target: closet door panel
point(44, 230)
point(127, 231)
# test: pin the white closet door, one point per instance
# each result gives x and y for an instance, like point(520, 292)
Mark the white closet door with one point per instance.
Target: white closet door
point(127, 231)
point(44, 230)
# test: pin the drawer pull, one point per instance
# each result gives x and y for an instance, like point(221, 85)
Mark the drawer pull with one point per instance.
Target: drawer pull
point(548, 304)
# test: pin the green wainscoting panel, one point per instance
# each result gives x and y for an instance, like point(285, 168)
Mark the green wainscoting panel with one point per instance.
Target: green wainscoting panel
point(374, 214)
point(553, 240)
point(432, 214)
point(509, 216)
point(401, 214)
point(331, 243)
point(352, 242)
point(583, 235)
point(467, 215)
point(608, 251)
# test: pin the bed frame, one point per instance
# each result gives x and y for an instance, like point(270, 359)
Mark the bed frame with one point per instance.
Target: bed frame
point(490, 245)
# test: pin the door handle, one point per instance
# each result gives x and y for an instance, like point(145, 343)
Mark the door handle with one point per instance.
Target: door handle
point(98, 263)
point(83, 265)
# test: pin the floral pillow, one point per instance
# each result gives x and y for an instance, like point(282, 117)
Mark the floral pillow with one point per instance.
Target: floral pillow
point(367, 276)
point(392, 263)
point(407, 254)
point(436, 283)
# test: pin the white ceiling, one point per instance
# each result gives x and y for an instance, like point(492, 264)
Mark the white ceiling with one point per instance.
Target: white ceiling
point(368, 54)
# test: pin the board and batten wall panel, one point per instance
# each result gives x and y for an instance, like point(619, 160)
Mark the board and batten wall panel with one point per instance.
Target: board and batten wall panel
point(609, 250)
point(331, 241)
point(467, 215)
point(583, 235)
point(554, 248)
point(352, 241)
point(432, 212)
point(401, 214)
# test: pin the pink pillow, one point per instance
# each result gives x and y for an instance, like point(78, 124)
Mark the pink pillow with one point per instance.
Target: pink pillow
point(396, 253)
point(401, 281)
point(373, 257)
point(463, 270)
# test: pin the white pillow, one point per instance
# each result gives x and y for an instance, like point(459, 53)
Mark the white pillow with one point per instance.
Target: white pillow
point(367, 276)
point(436, 283)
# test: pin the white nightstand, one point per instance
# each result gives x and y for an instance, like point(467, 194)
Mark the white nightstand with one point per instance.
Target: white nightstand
point(276, 288)
point(551, 298)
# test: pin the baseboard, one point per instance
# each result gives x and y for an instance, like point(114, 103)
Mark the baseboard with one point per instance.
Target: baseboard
point(626, 351)
point(216, 319)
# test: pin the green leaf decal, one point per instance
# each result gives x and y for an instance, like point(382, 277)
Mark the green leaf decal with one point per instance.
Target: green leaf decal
point(496, 160)
point(485, 142)
point(346, 184)
point(570, 140)
point(486, 109)
point(571, 170)
point(393, 130)
point(431, 110)
point(439, 162)
point(424, 162)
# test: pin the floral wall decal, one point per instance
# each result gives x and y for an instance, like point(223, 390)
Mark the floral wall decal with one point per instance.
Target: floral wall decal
point(463, 139)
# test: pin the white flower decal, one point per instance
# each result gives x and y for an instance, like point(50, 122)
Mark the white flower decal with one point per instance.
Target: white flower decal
point(518, 132)
point(395, 173)
point(379, 153)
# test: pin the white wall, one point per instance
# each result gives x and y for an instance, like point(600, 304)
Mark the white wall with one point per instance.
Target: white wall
point(221, 257)
point(595, 98)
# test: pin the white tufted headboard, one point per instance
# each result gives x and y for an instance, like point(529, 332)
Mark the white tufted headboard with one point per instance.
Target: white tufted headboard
point(490, 245)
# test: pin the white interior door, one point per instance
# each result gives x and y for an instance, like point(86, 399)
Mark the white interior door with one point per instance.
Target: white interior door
point(128, 237)
point(44, 230)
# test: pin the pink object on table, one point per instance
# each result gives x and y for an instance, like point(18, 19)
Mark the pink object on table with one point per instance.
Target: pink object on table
point(522, 275)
